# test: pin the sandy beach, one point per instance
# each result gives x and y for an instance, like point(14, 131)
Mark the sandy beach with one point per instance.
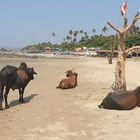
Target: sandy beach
point(53, 114)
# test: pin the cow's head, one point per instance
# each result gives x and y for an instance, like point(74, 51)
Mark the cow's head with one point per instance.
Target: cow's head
point(31, 73)
point(137, 93)
point(23, 65)
point(138, 90)
point(69, 73)
point(75, 74)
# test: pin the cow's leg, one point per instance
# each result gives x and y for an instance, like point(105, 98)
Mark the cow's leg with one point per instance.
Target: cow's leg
point(22, 95)
point(5, 96)
point(1, 96)
point(21, 92)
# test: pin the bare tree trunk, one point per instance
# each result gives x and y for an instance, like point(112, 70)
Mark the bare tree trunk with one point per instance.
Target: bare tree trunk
point(109, 58)
point(120, 80)
point(137, 54)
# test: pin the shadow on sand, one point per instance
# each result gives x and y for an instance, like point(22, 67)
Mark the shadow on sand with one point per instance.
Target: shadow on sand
point(26, 99)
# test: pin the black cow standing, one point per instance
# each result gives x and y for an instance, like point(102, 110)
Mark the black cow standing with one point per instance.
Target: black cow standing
point(14, 78)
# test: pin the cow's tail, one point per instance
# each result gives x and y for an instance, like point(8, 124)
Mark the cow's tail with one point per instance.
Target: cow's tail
point(1, 87)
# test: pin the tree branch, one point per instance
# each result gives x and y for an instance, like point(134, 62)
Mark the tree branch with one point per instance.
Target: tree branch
point(117, 30)
point(137, 16)
point(131, 49)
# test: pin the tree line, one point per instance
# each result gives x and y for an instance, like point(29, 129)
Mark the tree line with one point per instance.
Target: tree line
point(79, 39)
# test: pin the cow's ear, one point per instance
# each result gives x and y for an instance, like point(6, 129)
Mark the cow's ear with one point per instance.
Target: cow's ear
point(35, 73)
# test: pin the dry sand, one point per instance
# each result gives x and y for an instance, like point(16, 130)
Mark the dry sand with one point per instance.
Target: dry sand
point(54, 114)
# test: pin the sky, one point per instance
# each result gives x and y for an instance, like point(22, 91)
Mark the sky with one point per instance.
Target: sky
point(26, 22)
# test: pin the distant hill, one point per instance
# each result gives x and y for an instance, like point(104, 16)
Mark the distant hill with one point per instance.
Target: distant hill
point(37, 48)
point(4, 50)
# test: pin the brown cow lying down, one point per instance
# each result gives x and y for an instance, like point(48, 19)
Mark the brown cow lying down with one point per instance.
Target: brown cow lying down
point(69, 82)
point(121, 100)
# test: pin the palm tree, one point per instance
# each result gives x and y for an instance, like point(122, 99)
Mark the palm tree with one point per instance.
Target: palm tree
point(104, 29)
point(75, 33)
point(70, 32)
point(82, 39)
point(135, 30)
point(53, 34)
point(85, 33)
point(94, 31)
point(74, 40)
point(81, 31)
point(68, 38)
point(86, 36)
point(64, 43)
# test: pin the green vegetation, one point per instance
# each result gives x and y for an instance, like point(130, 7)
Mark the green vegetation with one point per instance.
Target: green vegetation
point(80, 39)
